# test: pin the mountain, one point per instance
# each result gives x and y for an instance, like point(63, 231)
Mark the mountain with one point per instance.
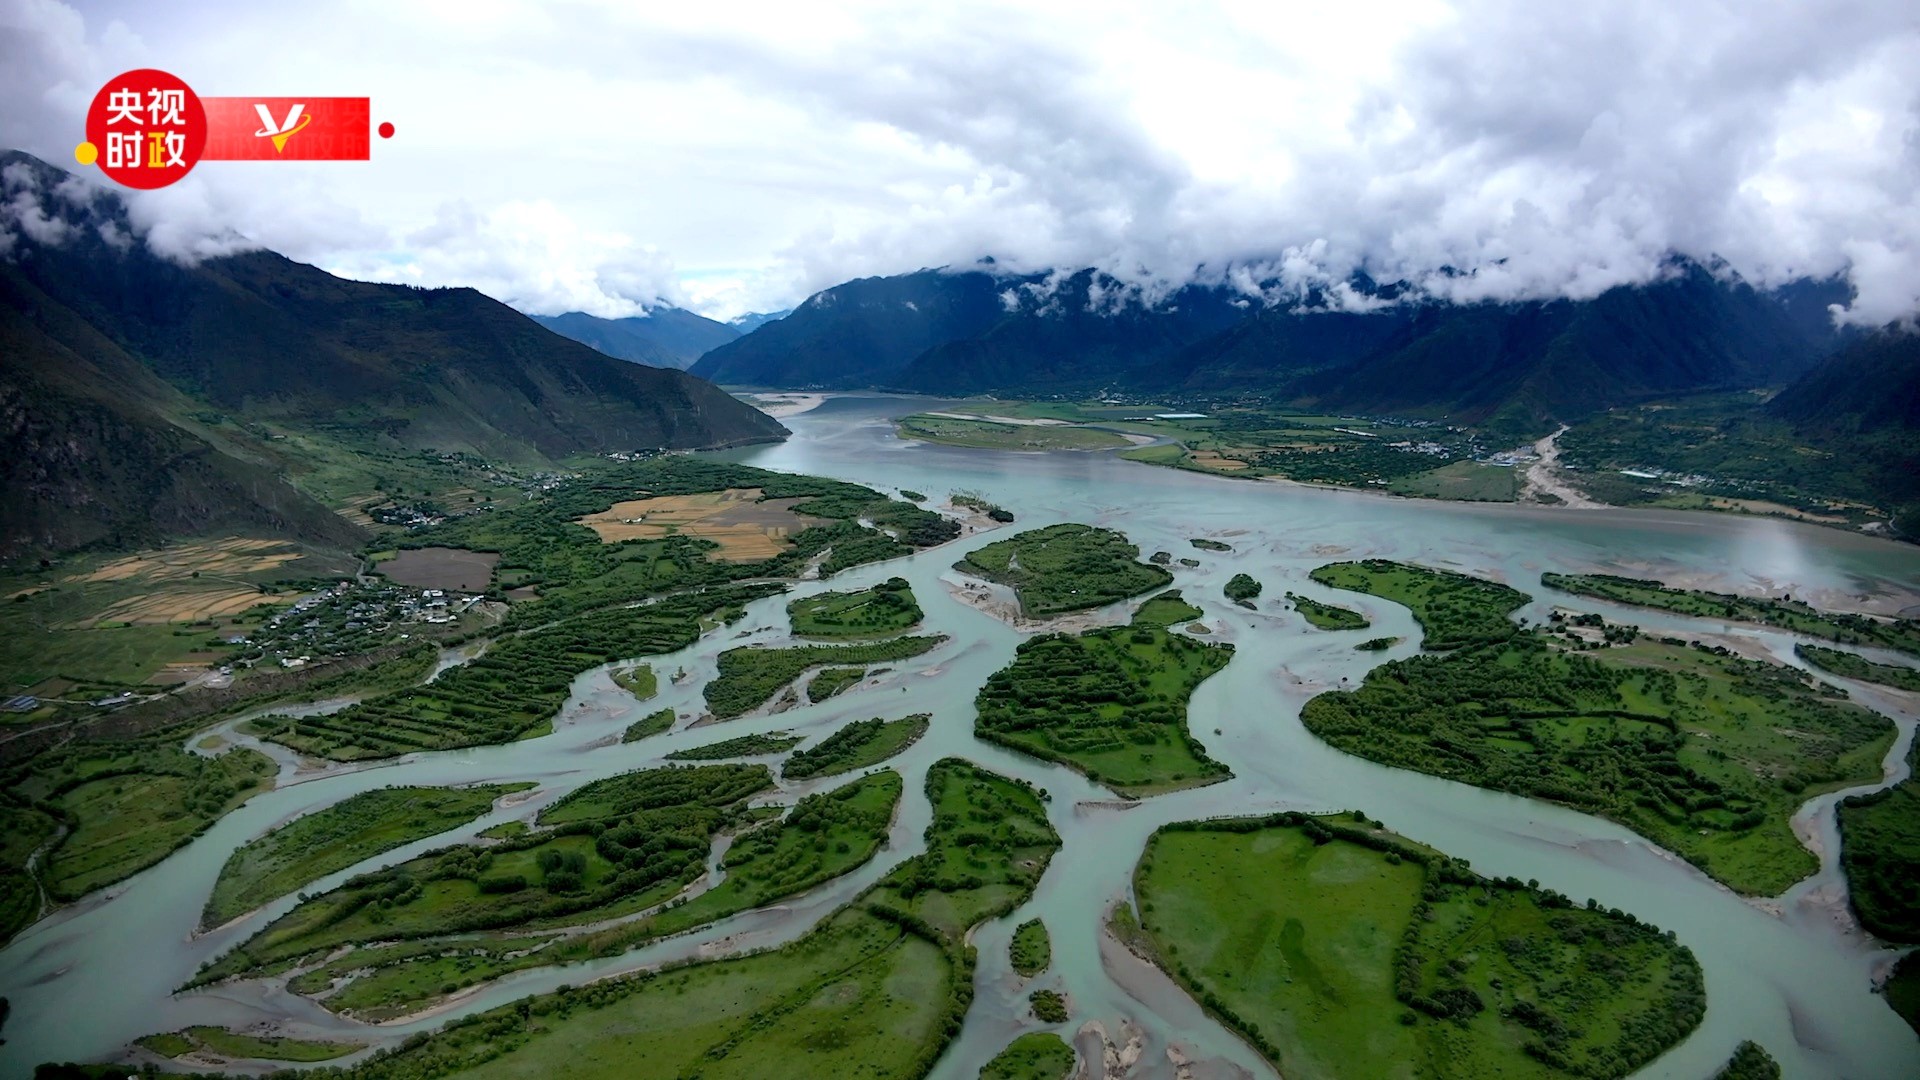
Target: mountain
point(1863, 404)
point(859, 333)
point(665, 337)
point(754, 320)
point(132, 388)
point(1524, 365)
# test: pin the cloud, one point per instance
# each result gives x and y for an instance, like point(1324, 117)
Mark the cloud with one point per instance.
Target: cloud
point(610, 155)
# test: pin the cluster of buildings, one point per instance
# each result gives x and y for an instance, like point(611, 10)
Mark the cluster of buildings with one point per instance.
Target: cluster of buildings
point(344, 618)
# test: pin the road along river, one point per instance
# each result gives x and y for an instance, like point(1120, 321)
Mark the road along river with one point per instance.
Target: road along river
point(100, 973)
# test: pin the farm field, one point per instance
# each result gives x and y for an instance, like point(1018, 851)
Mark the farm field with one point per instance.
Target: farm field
point(746, 524)
point(450, 569)
point(1338, 950)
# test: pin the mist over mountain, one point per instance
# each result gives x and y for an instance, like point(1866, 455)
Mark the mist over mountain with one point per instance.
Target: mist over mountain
point(1365, 348)
point(133, 388)
point(754, 320)
point(666, 337)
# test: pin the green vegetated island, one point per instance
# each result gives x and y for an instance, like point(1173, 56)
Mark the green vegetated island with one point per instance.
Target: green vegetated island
point(1037, 1055)
point(752, 674)
point(1031, 948)
point(396, 941)
point(1166, 609)
point(234, 1045)
point(830, 682)
point(772, 742)
point(1111, 703)
point(991, 434)
point(1338, 949)
point(878, 988)
point(338, 836)
point(882, 611)
point(1902, 635)
point(638, 680)
point(854, 746)
point(1453, 609)
point(1065, 568)
point(1700, 751)
point(1327, 616)
point(657, 722)
point(1880, 852)
point(1854, 666)
point(1242, 589)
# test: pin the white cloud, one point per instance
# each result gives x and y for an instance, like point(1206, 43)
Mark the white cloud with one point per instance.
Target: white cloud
point(603, 155)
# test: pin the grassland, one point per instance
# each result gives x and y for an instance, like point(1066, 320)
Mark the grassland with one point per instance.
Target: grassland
point(1787, 613)
point(350, 831)
point(1166, 609)
point(1327, 616)
point(22, 831)
point(128, 805)
point(1880, 853)
point(1065, 568)
point(1336, 949)
point(858, 745)
point(233, 1045)
point(1037, 1055)
point(638, 680)
point(882, 611)
point(878, 988)
point(832, 681)
point(996, 435)
point(657, 722)
point(1707, 755)
point(750, 675)
point(1462, 481)
point(1749, 1062)
point(1854, 666)
point(1111, 703)
point(1452, 609)
point(1031, 948)
point(776, 742)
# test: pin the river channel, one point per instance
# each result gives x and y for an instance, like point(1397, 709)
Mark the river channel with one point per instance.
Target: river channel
point(1794, 975)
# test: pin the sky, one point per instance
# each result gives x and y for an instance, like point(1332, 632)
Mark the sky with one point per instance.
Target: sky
point(608, 157)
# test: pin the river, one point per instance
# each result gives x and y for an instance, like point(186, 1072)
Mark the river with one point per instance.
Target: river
point(100, 973)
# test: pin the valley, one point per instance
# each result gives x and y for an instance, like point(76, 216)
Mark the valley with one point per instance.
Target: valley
point(834, 851)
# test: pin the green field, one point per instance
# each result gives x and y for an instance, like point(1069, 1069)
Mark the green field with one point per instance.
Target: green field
point(1452, 609)
point(128, 805)
point(220, 1042)
point(858, 745)
point(884, 610)
point(1880, 852)
point(1037, 1055)
point(658, 722)
point(1327, 616)
point(1166, 609)
point(350, 831)
point(1749, 1062)
point(22, 831)
point(1853, 666)
point(1902, 635)
point(1337, 950)
point(1065, 568)
point(878, 989)
point(1032, 949)
point(751, 674)
point(993, 435)
point(1111, 703)
point(1462, 481)
point(775, 742)
point(1706, 755)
